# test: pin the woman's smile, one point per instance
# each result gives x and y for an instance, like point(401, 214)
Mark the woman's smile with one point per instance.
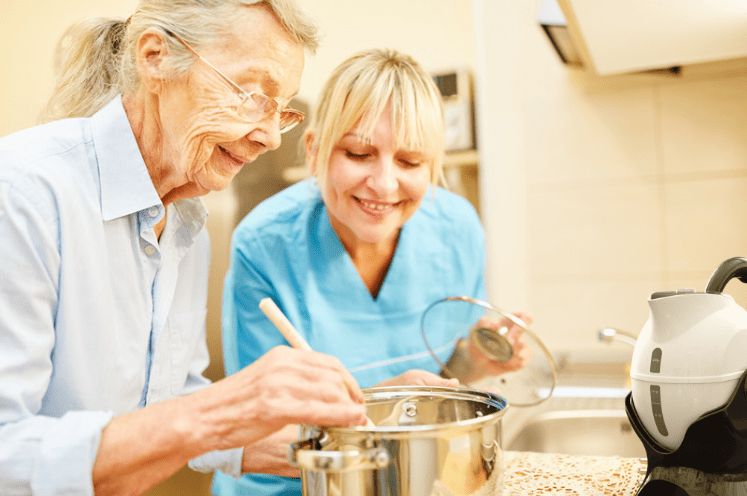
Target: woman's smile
point(234, 161)
point(378, 207)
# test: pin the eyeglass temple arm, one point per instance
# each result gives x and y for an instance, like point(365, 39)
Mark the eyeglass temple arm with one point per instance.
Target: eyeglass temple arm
point(225, 78)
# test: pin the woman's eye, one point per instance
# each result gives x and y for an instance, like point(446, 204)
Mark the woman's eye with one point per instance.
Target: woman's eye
point(410, 163)
point(355, 156)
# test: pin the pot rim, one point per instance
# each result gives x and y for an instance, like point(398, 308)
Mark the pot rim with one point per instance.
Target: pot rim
point(458, 393)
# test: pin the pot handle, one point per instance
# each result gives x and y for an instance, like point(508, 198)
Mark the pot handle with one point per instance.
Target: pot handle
point(729, 269)
point(306, 455)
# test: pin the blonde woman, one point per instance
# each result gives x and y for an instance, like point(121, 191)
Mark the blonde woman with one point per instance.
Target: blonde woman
point(354, 256)
point(105, 256)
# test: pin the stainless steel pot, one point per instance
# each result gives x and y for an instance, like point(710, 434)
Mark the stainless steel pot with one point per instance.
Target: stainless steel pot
point(427, 441)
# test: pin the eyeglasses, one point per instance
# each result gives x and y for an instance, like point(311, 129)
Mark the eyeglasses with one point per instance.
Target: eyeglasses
point(254, 106)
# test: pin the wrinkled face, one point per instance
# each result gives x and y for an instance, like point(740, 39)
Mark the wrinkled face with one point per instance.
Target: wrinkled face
point(372, 189)
point(206, 142)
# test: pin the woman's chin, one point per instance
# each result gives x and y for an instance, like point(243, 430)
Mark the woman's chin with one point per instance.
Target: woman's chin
point(218, 178)
point(216, 183)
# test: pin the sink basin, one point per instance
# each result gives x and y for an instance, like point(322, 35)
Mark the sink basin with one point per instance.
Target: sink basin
point(585, 415)
point(578, 432)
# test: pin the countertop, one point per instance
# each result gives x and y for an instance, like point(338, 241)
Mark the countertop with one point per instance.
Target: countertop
point(529, 473)
point(544, 473)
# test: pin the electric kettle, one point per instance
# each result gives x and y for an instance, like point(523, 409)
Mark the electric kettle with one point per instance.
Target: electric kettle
point(689, 356)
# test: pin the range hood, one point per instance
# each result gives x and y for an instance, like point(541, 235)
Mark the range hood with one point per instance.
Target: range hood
point(620, 36)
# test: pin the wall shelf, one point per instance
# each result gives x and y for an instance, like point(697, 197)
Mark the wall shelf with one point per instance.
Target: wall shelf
point(462, 175)
point(462, 158)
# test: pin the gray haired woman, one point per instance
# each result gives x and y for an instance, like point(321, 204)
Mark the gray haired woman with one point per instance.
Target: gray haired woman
point(105, 257)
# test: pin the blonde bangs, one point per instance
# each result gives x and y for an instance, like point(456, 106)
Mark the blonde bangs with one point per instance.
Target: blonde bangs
point(417, 122)
point(360, 90)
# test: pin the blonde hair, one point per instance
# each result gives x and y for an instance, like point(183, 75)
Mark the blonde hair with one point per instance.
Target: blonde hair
point(357, 93)
point(96, 60)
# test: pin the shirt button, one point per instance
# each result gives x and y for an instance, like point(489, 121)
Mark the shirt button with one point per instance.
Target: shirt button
point(153, 211)
point(150, 250)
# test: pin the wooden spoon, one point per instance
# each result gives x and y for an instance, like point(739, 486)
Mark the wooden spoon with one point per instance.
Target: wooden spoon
point(278, 318)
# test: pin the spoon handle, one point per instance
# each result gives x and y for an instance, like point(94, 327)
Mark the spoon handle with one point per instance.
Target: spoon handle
point(277, 317)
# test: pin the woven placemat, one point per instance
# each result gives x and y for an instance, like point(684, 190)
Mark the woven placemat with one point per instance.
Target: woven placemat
point(544, 473)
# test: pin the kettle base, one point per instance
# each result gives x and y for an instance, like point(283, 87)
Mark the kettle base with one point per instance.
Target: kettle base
point(712, 459)
point(682, 481)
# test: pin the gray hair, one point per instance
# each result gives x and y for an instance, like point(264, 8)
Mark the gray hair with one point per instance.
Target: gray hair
point(95, 59)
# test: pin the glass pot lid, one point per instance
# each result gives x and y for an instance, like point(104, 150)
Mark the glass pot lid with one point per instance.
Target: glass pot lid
point(487, 348)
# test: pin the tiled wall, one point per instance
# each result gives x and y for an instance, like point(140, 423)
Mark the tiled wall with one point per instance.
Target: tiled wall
point(601, 191)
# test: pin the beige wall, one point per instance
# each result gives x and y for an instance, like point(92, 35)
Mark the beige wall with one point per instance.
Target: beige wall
point(437, 33)
point(29, 30)
point(599, 191)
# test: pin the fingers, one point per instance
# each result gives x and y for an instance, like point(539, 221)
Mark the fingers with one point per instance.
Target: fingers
point(452, 383)
point(525, 317)
point(284, 386)
point(494, 390)
point(514, 333)
point(416, 377)
point(506, 322)
point(317, 372)
point(352, 385)
point(270, 455)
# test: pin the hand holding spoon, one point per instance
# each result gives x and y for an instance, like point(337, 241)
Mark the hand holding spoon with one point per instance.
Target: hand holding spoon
point(278, 318)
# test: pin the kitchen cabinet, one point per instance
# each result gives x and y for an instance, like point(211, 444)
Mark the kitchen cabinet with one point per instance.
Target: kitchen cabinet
point(623, 36)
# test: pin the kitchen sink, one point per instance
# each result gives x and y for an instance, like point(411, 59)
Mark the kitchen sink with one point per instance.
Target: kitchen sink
point(578, 432)
point(585, 414)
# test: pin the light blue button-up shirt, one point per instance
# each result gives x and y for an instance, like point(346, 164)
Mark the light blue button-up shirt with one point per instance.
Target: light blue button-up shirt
point(98, 317)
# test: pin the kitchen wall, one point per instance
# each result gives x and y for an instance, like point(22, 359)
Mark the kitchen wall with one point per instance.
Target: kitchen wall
point(29, 30)
point(597, 192)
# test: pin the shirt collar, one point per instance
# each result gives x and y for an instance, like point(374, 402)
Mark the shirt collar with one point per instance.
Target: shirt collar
point(126, 186)
point(193, 213)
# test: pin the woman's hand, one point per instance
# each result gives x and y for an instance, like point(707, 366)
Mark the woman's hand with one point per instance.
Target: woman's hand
point(483, 365)
point(270, 455)
point(416, 377)
point(284, 386)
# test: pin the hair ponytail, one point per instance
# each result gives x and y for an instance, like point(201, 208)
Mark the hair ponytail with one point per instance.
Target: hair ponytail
point(87, 69)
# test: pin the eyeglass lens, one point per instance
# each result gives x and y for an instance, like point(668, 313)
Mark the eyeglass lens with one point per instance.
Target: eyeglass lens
point(257, 106)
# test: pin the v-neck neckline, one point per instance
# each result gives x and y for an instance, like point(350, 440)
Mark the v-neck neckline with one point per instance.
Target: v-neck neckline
point(350, 267)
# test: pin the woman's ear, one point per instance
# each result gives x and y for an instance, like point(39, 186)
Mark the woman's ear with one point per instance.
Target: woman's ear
point(152, 50)
point(311, 150)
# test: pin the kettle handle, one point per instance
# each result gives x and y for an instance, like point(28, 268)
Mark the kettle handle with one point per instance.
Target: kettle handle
point(729, 269)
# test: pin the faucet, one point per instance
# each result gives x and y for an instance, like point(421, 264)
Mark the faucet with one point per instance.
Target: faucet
point(609, 335)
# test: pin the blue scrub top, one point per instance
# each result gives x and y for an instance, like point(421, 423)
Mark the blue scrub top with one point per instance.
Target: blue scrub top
point(286, 249)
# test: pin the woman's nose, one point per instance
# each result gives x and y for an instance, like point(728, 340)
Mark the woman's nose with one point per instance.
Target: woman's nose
point(267, 133)
point(383, 177)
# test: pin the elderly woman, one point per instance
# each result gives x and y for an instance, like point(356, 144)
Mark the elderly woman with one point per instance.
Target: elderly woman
point(105, 257)
point(355, 257)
